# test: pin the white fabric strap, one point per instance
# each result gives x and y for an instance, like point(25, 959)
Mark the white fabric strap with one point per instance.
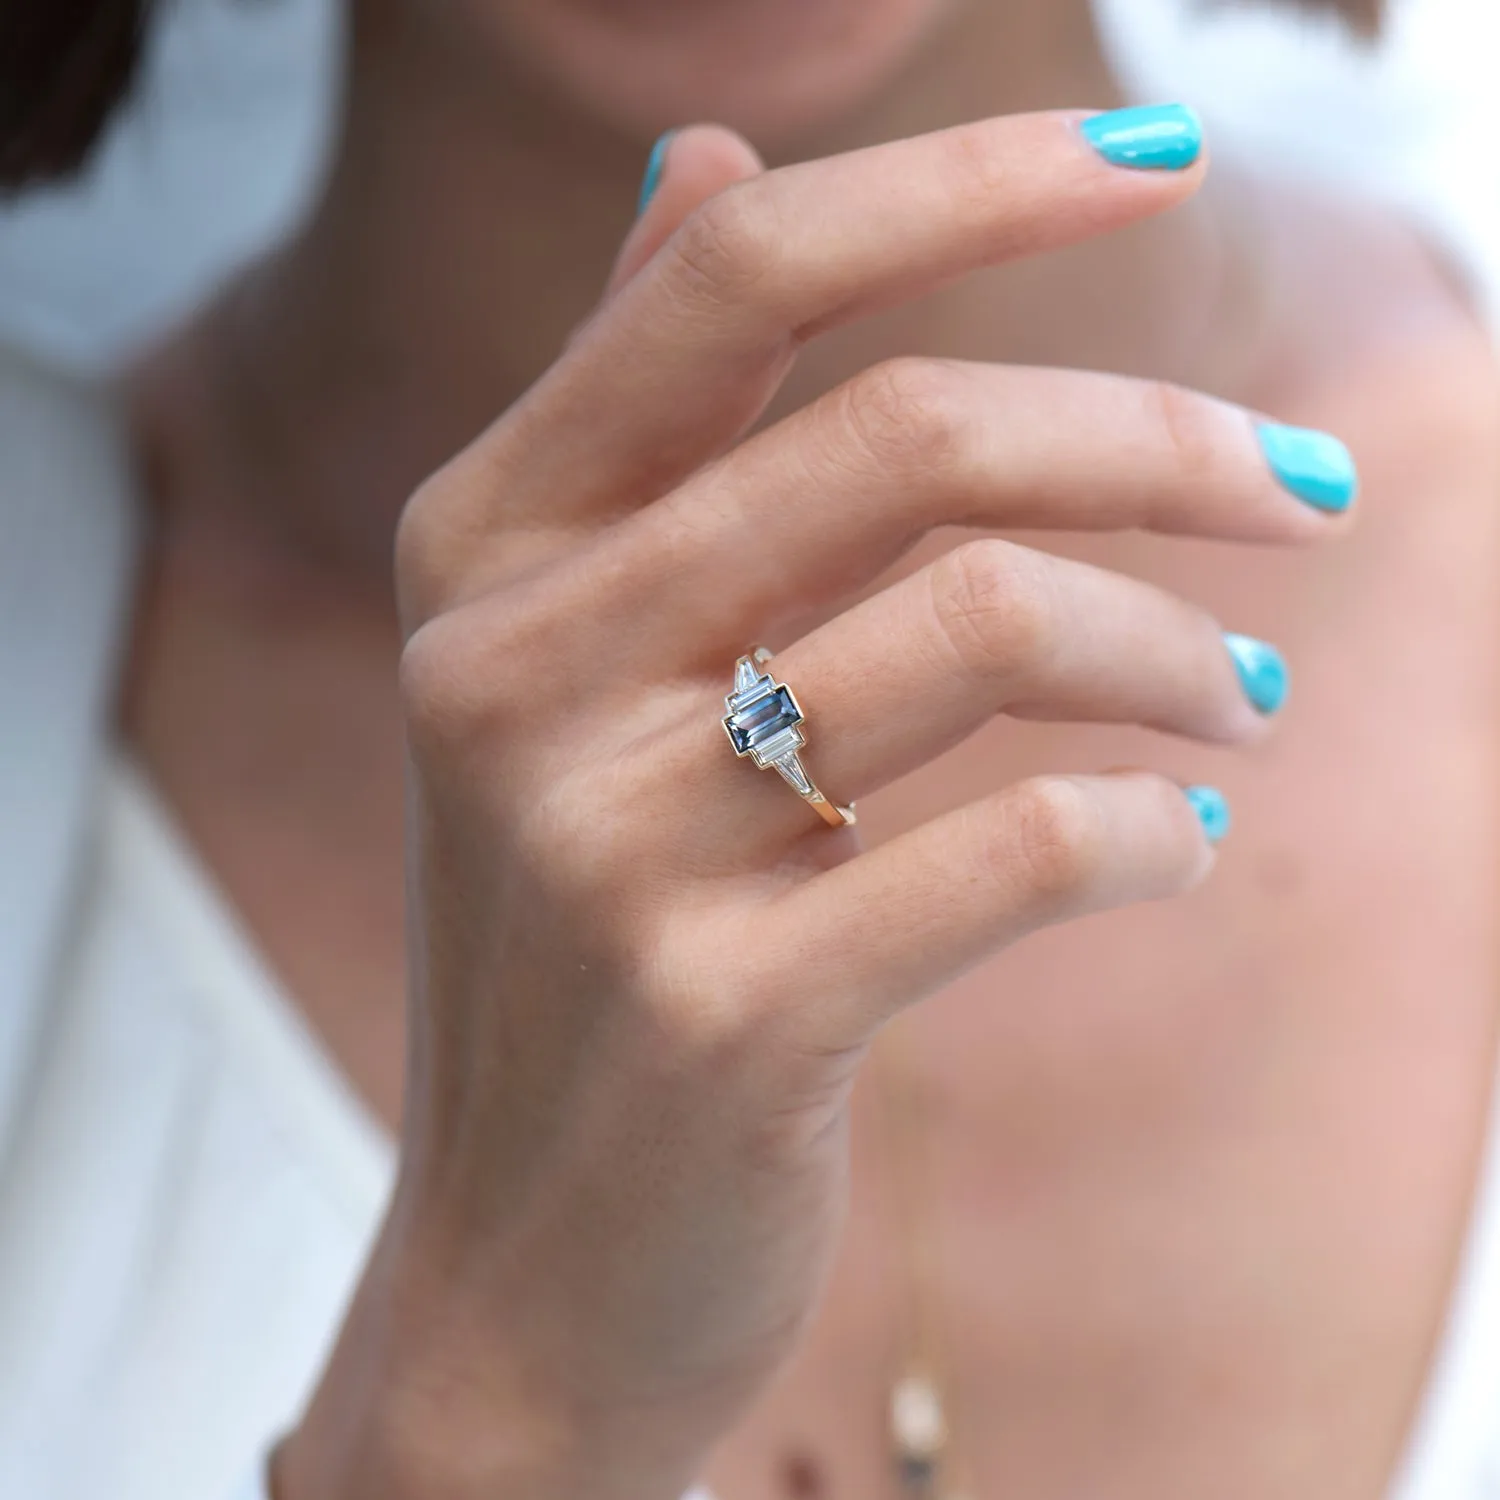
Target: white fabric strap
point(66, 540)
point(256, 1487)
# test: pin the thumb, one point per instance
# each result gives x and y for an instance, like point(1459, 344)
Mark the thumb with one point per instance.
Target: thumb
point(687, 167)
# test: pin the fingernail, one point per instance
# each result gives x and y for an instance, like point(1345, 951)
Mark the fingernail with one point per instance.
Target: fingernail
point(1149, 137)
point(1263, 671)
point(654, 164)
point(1314, 466)
point(1213, 811)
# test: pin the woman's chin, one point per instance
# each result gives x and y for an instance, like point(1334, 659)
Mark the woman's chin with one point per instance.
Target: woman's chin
point(770, 68)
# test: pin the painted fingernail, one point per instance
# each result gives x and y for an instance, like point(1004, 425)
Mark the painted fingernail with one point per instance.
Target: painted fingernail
point(1148, 137)
point(654, 165)
point(1314, 466)
point(1263, 671)
point(1213, 811)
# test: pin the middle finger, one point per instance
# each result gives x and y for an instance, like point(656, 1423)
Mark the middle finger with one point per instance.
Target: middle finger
point(811, 511)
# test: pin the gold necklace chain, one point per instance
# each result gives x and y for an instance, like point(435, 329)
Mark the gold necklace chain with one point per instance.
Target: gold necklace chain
point(921, 1407)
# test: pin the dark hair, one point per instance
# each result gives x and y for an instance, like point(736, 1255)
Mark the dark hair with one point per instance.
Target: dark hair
point(66, 64)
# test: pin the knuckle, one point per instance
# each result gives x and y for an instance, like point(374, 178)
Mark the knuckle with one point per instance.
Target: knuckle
point(1057, 838)
point(420, 553)
point(912, 415)
point(728, 247)
point(445, 537)
point(453, 692)
point(1186, 428)
point(437, 696)
point(993, 607)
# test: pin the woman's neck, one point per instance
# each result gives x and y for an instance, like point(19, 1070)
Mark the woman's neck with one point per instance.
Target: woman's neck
point(467, 226)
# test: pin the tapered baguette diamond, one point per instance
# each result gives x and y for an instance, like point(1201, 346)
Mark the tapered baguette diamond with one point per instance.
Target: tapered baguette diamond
point(792, 772)
point(746, 676)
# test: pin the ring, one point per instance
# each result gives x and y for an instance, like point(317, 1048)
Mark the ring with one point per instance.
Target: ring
point(764, 724)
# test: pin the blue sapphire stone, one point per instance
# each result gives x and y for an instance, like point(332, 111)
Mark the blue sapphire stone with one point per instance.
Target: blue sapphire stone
point(762, 719)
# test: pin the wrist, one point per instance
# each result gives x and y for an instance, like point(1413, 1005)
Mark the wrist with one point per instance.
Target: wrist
point(429, 1397)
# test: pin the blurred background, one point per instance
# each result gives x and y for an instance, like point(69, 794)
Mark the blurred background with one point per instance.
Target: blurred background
point(223, 143)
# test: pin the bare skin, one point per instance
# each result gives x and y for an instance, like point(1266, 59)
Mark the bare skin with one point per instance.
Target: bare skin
point(1204, 1174)
point(1133, 1172)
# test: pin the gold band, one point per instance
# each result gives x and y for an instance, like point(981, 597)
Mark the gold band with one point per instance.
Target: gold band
point(832, 814)
point(800, 782)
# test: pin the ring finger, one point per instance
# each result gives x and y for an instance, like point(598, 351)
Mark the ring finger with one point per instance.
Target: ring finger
point(992, 627)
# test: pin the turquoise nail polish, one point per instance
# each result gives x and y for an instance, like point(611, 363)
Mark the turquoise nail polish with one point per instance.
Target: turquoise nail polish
point(654, 164)
point(1213, 811)
point(1263, 671)
point(1314, 466)
point(1149, 137)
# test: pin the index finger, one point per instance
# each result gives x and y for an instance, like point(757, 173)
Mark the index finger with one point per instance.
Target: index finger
point(687, 355)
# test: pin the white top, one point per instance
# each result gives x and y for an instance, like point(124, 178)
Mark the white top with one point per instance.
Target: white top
point(187, 1195)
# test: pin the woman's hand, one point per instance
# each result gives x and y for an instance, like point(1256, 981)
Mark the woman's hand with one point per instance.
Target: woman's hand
point(644, 974)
